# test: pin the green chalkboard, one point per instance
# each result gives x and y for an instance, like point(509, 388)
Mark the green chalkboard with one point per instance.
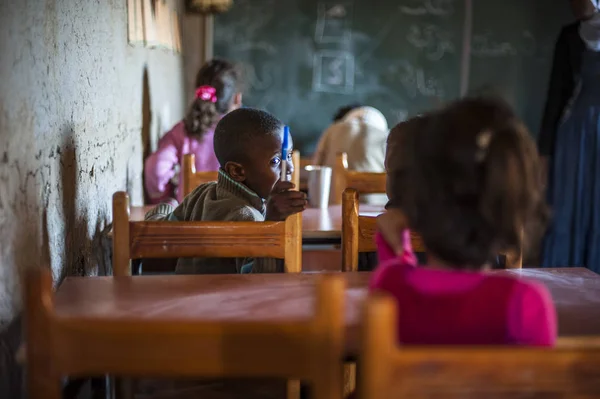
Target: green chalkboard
point(305, 58)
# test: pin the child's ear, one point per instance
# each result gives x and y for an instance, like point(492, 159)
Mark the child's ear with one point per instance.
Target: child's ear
point(236, 171)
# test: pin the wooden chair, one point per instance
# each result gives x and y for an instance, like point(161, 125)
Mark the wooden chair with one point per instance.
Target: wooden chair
point(58, 345)
point(389, 371)
point(363, 182)
point(192, 179)
point(358, 233)
point(137, 240)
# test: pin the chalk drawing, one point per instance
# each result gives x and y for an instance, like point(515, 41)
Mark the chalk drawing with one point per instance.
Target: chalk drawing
point(486, 45)
point(483, 45)
point(433, 40)
point(439, 8)
point(416, 82)
point(428, 86)
point(333, 71)
point(334, 22)
point(258, 46)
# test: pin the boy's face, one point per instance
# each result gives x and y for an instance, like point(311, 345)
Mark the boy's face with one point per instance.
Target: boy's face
point(263, 165)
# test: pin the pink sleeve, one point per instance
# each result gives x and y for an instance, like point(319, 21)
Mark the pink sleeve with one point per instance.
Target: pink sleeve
point(532, 317)
point(385, 252)
point(159, 167)
point(392, 266)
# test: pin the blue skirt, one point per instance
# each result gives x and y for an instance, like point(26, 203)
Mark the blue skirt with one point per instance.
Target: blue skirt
point(573, 237)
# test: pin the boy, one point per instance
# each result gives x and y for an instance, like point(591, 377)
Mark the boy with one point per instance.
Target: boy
point(247, 143)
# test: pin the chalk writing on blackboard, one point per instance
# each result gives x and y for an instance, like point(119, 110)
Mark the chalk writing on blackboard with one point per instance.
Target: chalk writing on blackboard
point(257, 46)
point(433, 40)
point(428, 7)
point(333, 71)
point(416, 82)
point(486, 45)
point(334, 22)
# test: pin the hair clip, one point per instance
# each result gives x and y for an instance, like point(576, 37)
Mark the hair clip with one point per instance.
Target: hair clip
point(207, 93)
point(483, 142)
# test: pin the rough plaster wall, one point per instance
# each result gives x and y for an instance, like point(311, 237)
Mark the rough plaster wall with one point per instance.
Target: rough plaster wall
point(193, 43)
point(71, 125)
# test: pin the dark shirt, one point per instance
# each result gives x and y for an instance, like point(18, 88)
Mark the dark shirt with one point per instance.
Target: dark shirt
point(566, 68)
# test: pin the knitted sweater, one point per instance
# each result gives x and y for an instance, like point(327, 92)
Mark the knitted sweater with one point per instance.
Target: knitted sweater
point(223, 200)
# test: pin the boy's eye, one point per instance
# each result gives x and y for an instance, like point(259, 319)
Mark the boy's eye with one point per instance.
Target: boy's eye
point(276, 161)
point(289, 156)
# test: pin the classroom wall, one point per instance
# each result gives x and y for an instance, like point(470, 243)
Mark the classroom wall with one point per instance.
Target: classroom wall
point(77, 106)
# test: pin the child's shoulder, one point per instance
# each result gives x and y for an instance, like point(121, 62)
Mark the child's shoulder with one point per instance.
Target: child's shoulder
point(244, 213)
point(532, 314)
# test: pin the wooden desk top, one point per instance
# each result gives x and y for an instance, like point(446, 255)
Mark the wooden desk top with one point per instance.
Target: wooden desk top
point(576, 294)
point(316, 223)
point(327, 223)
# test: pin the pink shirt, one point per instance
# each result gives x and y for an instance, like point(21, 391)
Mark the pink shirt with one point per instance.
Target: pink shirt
point(160, 167)
point(463, 308)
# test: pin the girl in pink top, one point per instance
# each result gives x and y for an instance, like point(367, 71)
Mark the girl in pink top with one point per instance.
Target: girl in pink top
point(217, 93)
point(469, 183)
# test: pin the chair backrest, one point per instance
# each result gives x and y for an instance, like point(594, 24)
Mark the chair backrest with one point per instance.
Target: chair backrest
point(363, 182)
point(389, 371)
point(136, 240)
point(296, 175)
point(192, 179)
point(358, 233)
point(306, 349)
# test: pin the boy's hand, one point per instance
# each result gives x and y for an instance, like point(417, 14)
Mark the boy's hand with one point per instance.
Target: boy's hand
point(391, 225)
point(284, 202)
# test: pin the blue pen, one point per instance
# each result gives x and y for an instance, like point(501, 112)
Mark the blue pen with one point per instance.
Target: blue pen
point(284, 146)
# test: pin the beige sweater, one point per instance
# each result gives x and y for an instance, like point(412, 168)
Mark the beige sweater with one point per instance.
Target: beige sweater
point(363, 140)
point(223, 200)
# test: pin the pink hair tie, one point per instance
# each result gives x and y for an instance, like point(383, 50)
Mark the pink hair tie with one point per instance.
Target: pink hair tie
point(207, 93)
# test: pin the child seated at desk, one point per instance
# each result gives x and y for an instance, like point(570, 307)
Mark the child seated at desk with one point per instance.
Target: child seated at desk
point(217, 93)
point(248, 145)
point(471, 191)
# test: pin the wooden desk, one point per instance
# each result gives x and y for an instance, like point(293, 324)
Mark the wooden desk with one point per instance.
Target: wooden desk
point(576, 294)
point(327, 223)
point(317, 224)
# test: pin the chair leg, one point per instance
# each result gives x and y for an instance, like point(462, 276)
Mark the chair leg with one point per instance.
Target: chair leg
point(293, 389)
point(349, 378)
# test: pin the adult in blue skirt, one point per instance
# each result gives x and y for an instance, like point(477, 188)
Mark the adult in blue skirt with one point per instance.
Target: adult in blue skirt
point(570, 142)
